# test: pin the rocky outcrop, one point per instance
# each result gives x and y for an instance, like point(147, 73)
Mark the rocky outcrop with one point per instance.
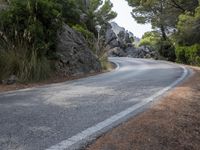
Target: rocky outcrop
point(120, 43)
point(118, 37)
point(141, 52)
point(11, 80)
point(111, 37)
point(74, 56)
point(121, 39)
point(116, 52)
point(117, 29)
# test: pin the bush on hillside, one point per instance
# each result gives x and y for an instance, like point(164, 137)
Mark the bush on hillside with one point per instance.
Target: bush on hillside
point(166, 49)
point(28, 30)
point(34, 22)
point(154, 41)
point(188, 54)
point(32, 68)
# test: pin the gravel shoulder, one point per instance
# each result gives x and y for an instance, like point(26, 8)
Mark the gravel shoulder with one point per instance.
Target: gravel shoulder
point(172, 123)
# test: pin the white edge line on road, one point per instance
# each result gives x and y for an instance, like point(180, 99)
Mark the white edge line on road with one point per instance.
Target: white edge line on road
point(89, 132)
point(117, 65)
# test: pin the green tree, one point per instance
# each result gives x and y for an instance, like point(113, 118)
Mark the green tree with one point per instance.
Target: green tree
point(34, 22)
point(150, 39)
point(98, 13)
point(162, 14)
point(188, 28)
point(70, 11)
point(187, 37)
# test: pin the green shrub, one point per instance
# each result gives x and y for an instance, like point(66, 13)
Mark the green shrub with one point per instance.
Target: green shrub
point(28, 30)
point(180, 55)
point(188, 54)
point(34, 21)
point(26, 66)
point(154, 41)
point(166, 49)
point(105, 64)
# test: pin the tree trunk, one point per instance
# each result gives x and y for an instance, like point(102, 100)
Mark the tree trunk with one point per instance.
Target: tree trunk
point(164, 36)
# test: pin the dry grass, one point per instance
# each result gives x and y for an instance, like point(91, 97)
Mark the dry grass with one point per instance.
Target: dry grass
point(53, 79)
point(172, 124)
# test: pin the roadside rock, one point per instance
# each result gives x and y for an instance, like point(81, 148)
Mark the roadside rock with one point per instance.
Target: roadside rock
point(11, 80)
point(133, 52)
point(74, 56)
point(116, 52)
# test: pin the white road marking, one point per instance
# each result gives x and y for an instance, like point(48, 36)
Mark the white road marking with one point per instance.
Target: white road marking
point(87, 134)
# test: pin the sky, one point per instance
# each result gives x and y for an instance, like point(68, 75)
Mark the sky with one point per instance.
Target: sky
point(124, 18)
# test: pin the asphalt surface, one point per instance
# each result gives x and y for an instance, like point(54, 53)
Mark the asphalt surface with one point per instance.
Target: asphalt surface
point(36, 119)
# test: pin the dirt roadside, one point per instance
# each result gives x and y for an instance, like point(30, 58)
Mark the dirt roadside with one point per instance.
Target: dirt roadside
point(171, 124)
point(52, 80)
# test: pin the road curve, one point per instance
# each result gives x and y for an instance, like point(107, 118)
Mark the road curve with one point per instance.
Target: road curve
point(64, 115)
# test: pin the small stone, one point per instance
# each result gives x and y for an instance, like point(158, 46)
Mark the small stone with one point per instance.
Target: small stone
point(11, 80)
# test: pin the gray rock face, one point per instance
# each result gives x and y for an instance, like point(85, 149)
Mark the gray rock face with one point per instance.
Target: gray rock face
point(111, 37)
point(141, 52)
point(74, 56)
point(120, 44)
point(133, 52)
point(117, 36)
point(116, 28)
point(116, 52)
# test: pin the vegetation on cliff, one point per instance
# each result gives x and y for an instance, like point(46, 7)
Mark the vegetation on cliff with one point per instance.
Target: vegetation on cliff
point(28, 32)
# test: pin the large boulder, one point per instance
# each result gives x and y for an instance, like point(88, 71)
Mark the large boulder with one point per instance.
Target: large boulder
point(131, 51)
point(11, 80)
point(141, 52)
point(74, 56)
point(116, 36)
point(116, 52)
point(120, 44)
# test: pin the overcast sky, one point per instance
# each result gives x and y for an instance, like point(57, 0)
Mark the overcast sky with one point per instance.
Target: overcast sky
point(124, 18)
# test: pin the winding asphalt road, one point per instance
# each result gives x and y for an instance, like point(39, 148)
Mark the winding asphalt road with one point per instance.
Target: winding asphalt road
point(65, 115)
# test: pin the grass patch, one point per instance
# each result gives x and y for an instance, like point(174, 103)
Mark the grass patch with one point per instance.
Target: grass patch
point(105, 64)
point(25, 64)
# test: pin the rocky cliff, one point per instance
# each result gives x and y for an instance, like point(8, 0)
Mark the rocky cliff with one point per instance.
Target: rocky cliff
point(121, 43)
point(117, 29)
point(74, 56)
